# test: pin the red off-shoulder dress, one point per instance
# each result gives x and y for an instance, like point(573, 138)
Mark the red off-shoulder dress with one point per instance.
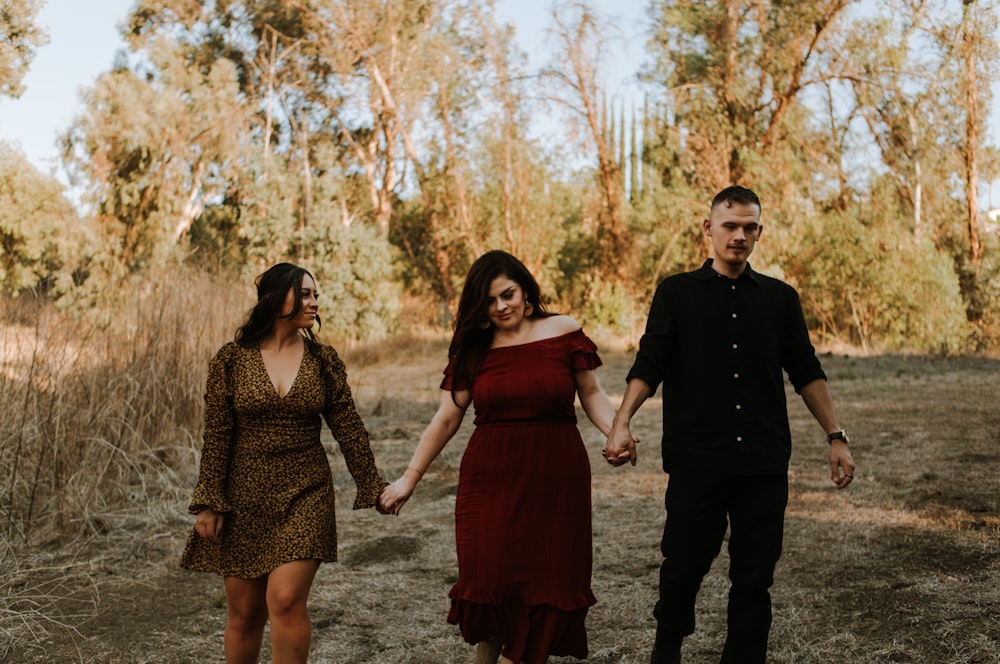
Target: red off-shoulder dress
point(522, 512)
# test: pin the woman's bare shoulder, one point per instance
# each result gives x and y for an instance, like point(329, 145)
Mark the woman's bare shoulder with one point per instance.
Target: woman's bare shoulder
point(558, 325)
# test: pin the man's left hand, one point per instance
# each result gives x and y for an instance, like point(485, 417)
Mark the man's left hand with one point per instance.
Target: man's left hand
point(841, 464)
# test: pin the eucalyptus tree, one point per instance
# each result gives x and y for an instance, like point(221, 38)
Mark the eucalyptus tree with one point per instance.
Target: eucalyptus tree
point(276, 113)
point(897, 85)
point(922, 76)
point(977, 56)
point(278, 127)
point(525, 200)
point(153, 146)
point(736, 75)
point(787, 97)
point(428, 89)
point(580, 36)
point(20, 38)
point(45, 244)
point(738, 89)
point(405, 68)
point(427, 85)
point(975, 67)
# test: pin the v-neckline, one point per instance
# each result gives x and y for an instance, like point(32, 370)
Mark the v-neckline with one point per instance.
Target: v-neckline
point(270, 380)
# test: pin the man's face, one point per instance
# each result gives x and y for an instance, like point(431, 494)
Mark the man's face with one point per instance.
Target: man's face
point(733, 230)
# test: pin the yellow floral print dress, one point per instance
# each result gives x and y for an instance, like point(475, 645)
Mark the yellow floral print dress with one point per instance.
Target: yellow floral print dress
point(263, 465)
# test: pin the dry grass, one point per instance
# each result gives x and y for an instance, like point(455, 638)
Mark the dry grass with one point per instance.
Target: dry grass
point(98, 458)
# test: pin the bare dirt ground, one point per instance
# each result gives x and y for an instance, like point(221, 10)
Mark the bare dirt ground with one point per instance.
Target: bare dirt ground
point(901, 567)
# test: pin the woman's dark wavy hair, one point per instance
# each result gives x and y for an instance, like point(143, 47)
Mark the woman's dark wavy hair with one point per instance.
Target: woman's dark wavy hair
point(272, 288)
point(471, 343)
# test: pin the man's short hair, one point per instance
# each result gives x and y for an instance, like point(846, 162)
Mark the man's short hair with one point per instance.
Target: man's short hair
point(735, 195)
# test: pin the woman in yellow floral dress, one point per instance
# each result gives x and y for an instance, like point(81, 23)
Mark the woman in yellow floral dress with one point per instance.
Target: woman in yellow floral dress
point(264, 499)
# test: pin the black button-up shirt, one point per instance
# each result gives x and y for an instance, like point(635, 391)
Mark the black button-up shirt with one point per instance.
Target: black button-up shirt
point(719, 345)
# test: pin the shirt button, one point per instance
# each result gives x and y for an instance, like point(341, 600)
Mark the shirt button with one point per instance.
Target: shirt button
point(739, 439)
point(734, 315)
point(736, 375)
point(739, 407)
point(735, 346)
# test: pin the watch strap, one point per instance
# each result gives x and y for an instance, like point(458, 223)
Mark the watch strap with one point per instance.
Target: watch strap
point(837, 435)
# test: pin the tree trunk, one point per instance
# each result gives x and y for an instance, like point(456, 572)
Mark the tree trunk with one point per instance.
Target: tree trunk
point(972, 120)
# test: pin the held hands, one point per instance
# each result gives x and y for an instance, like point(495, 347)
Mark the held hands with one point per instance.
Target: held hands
point(620, 448)
point(841, 464)
point(208, 525)
point(396, 494)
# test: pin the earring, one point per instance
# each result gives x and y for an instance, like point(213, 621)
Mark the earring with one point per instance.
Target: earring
point(484, 325)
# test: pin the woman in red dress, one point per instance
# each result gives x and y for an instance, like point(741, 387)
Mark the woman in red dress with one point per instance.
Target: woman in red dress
point(522, 512)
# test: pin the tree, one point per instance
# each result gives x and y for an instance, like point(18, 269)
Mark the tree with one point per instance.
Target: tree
point(20, 37)
point(972, 45)
point(45, 244)
point(835, 115)
point(920, 81)
point(736, 72)
point(579, 34)
point(385, 91)
point(154, 146)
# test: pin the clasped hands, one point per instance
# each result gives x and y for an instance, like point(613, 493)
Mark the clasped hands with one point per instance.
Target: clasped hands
point(620, 448)
point(394, 496)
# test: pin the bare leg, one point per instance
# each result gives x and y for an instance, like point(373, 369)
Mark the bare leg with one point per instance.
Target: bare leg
point(246, 615)
point(287, 596)
point(488, 652)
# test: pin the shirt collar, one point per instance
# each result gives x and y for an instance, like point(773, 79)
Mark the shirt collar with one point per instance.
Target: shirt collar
point(706, 272)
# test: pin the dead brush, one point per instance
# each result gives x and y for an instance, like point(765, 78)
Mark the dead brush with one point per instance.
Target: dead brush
point(41, 595)
point(98, 426)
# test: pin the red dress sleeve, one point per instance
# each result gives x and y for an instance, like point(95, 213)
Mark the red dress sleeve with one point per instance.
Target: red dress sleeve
point(449, 380)
point(583, 352)
point(449, 375)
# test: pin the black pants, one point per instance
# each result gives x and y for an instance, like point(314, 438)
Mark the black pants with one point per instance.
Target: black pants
point(699, 504)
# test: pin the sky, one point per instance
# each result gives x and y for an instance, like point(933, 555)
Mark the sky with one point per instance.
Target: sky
point(84, 39)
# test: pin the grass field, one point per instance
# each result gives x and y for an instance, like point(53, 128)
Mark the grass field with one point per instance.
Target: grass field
point(901, 567)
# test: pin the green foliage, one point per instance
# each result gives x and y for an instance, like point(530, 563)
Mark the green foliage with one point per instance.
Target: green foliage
point(353, 265)
point(989, 290)
point(610, 309)
point(546, 213)
point(153, 148)
point(214, 242)
point(45, 244)
point(359, 293)
point(666, 222)
point(876, 288)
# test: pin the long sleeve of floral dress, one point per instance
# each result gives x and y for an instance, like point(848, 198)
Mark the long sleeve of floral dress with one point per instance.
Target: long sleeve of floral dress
point(349, 431)
point(220, 430)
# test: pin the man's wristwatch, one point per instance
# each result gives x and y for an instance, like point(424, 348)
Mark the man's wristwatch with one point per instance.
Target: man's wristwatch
point(837, 435)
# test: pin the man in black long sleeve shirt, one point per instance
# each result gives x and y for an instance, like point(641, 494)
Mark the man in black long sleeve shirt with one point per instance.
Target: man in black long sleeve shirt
point(718, 339)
